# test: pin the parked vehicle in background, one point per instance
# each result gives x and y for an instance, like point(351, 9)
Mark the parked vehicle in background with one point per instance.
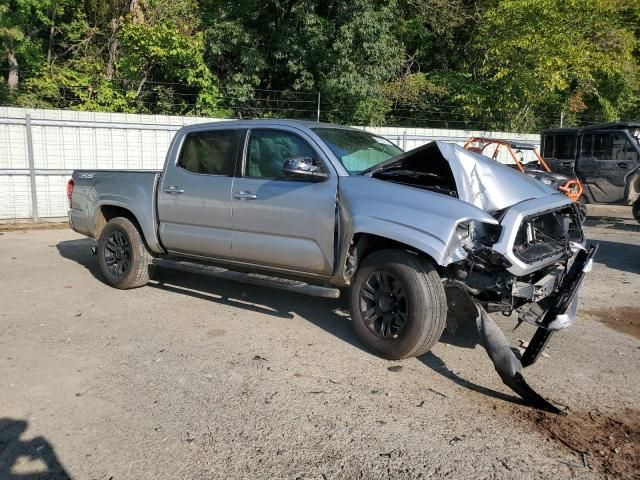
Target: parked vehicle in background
point(340, 207)
point(535, 167)
point(605, 157)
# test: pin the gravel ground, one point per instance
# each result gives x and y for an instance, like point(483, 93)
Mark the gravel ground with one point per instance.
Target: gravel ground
point(193, 377)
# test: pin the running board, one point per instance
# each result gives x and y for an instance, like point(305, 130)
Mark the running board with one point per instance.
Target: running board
point(252, 278)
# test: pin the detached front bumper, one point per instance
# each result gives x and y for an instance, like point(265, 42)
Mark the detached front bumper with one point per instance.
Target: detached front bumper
point(563, 305)
point(559, 311)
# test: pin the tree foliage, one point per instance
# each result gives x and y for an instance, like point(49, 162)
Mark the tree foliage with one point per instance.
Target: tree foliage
point(499, 64)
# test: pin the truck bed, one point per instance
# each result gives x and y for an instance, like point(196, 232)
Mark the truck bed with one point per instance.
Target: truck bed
point(134, 190)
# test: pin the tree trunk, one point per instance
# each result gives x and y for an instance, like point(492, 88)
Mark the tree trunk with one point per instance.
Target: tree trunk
point(13, 78)
point(113, 49)
point(52, 32)
point(114, 44)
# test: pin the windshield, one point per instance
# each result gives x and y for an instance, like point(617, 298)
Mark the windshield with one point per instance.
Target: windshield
point(357, 150)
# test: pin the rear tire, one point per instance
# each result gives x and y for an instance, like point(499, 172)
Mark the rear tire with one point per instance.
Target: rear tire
point(124, 259)
point(398, 304)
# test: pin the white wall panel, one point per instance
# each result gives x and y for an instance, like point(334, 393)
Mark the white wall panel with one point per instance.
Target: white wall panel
point(13, 146)
point(15, 197)
point(52, 195)
point(65, 147)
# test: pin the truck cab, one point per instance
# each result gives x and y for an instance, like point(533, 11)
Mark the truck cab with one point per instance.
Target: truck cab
point(605, 157)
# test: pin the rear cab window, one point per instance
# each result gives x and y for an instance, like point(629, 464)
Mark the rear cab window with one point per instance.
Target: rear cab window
point(210, 152)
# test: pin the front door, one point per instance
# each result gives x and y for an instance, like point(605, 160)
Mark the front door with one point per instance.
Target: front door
point(194, 197)
point(606, 159)
point(278, 221)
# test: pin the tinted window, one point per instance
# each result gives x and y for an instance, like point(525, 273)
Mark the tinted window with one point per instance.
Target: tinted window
point(548, 147)
point(587, 142)
point(622, 149)
point(212, 153)
point(565, 147)
point(268, 149)
point(603, 146)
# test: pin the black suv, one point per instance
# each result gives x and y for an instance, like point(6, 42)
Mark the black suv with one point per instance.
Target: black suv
point(605, 157)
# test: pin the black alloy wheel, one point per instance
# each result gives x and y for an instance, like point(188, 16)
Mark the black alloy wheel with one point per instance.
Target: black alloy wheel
point(383, 305)
point(117, 253)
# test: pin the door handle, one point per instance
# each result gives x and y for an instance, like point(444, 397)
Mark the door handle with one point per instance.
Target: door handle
point(173, 190)
point(245, 195)
point(623, 164)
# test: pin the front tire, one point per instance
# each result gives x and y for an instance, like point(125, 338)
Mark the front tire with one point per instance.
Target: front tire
point(398, 304)
point(124, 259)
point(635, 209)
point(582, 206)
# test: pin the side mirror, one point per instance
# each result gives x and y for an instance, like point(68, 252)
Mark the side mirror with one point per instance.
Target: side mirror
point(303, 168)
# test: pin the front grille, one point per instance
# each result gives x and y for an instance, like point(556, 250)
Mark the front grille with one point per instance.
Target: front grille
point(548, 234)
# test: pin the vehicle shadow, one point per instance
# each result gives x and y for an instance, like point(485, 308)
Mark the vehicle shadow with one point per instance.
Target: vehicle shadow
point(437, 365)
point(330, 315)
point(614, 223)
point(462, 316)
point(80, 252)
point(13, 451)
point(619, 256)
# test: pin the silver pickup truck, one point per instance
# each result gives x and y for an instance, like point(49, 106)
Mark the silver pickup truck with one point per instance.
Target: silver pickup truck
point(410, 234)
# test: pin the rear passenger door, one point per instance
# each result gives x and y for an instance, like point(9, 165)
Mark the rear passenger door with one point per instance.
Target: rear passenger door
point(194, 197)
point(278, 221)
point(606, 159)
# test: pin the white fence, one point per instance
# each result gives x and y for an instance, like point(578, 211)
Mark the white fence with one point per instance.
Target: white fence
point(40, 149)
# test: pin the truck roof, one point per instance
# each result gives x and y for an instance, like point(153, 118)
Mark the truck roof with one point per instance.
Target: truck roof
point(283, 122)
point(599, 126)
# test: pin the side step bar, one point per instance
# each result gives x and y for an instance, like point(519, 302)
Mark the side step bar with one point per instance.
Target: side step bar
point(252, 278)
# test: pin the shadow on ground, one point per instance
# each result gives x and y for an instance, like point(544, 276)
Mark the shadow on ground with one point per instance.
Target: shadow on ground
point(16, 455)
point(614, 223)
point(619, 256)
point(327, 314)
point(330, 315)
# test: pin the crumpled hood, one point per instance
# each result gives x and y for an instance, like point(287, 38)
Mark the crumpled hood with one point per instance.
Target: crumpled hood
point(488, 184)
point(480, 181)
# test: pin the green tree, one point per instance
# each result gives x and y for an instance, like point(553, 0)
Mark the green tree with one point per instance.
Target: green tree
point(21, 24)
point(345, 49)
point(541, 57)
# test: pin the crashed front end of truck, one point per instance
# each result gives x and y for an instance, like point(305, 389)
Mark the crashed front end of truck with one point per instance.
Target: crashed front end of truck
point(528, 259)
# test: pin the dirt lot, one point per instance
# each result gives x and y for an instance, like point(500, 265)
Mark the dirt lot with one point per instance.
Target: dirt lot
point(193, 377)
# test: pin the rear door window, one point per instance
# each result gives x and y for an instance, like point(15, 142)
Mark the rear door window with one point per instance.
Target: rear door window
point(565, 147)
point(210, 153)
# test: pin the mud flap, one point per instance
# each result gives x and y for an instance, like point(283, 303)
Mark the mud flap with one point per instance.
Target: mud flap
point(506, 363)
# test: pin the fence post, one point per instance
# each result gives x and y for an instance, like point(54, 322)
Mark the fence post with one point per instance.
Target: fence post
point(318, 116)
point(404, 140)
point(32, 169)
